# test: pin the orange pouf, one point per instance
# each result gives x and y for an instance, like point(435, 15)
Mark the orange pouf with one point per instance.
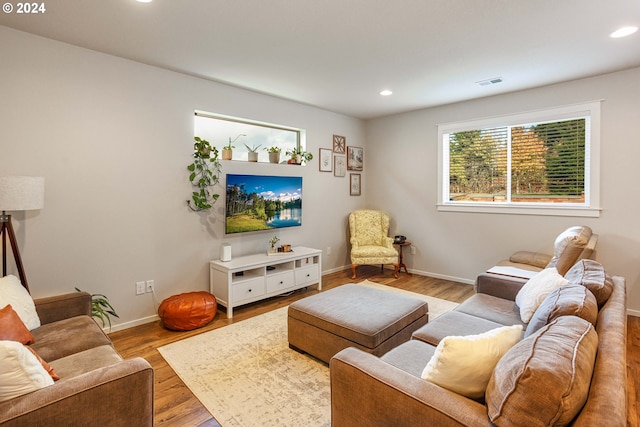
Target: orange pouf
point(188, 311)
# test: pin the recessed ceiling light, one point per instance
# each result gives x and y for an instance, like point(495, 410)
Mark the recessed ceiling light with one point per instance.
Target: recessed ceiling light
point(623, 32)
point(144, 1)
point(488, 82)
point(385, 92)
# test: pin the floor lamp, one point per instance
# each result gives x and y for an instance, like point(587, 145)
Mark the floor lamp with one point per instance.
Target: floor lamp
point(17, 193)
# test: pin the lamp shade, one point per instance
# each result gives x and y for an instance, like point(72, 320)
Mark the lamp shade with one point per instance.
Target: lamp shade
point(21, 193)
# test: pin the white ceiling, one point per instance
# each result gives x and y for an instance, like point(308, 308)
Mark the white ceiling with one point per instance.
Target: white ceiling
point(339, 54)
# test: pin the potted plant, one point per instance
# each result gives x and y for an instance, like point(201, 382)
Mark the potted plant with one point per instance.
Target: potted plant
point(298, 155)
point(205, 172)
point(101, 309)
point(227, 150)
point(274, 154)
point(253, 152)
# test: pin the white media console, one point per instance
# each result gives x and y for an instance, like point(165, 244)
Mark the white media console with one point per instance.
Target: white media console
point(255, 277)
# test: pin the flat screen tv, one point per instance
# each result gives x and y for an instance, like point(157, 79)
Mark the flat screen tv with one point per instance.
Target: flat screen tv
point(262, 202)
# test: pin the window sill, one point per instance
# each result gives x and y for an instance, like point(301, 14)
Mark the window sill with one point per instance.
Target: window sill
point(521, 210)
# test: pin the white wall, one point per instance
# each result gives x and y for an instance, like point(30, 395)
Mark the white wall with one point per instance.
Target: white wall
point(402, 151)
point(113, 138)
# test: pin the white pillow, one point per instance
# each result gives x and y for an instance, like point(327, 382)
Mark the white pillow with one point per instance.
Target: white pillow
point(464, 364)
point(12, 292)
point(536, 290)
point(21, 372)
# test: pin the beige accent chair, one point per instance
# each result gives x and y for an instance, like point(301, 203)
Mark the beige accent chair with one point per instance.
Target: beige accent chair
point(572, 245)
point(370, 243)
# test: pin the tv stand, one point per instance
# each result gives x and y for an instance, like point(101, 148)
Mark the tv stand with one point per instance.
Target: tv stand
point(255, 277)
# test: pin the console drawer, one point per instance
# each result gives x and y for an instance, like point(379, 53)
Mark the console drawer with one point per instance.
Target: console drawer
point(307, 275)
point(248, 289)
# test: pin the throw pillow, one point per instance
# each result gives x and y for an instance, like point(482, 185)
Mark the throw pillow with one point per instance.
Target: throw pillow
point(536, 290)
point(12, 292)
point(44, 364)
point(12, 328)
point(21, 371)
point(544, 380)
point(591, 274)
point(568, 300)
point(464, 364)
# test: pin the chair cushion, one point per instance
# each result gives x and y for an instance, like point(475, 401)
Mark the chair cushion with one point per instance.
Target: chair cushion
point(591, 274)
point(570, 299)
point(544, 379)
point(369, 227)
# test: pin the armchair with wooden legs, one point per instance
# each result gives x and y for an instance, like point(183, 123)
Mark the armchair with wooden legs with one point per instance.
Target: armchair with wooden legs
point(370, 243)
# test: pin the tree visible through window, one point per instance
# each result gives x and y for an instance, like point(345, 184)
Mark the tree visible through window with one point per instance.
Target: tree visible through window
point(519, 163)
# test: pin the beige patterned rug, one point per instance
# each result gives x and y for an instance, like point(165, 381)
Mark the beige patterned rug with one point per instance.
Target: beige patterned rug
point(246, 375)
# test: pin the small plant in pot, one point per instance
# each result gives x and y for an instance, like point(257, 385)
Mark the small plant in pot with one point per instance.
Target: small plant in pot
point(253, 152)
point(274, 154)
point(205, 172)
point(227, 150)
point(298, 155)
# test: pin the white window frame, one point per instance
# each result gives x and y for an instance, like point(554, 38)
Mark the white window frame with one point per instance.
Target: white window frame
point(591, 206)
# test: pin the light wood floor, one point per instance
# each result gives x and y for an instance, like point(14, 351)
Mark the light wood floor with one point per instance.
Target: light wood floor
point(175, 405)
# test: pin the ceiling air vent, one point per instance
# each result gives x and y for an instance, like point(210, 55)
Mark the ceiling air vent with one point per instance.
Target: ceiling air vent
point(492, 81)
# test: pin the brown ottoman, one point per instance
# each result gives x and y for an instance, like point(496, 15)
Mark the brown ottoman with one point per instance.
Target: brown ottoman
point(351, 315)
point(188, 311)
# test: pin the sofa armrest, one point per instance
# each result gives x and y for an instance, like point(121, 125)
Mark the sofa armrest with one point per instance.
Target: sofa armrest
point(498, 285)
point(367, 391)
point(55, 308)
point(115, 395)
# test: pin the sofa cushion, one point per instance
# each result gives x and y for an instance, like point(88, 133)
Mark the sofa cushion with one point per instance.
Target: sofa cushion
point(21, 371)
point(495, 309)
point(86, 361)
point(12, 328)
point(463, 364)
point(411, 356)
point(544, 379)
point(453, 323)
point(536, 290)
point(570, 299)
point(64, 337)
point(591, 274)
point(12, 292)
point(568, 247)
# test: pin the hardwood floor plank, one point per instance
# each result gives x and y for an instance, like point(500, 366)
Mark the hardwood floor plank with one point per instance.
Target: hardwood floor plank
point(175, 405)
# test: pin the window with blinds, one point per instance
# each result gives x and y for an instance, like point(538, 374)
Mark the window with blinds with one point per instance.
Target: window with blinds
point(533, 160)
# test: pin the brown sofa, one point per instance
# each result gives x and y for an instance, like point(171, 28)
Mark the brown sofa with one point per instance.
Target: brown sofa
point(371, 391)
point(96, 386)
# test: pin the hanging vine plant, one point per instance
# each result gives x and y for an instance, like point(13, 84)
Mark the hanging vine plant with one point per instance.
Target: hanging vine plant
point(205, 172)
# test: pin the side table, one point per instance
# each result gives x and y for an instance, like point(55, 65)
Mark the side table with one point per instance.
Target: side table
point(400, 262)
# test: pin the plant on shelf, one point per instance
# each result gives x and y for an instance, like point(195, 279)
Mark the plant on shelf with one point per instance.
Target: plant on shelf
point(227, 150)
point(205, 172)
point(253, 152)
point(273, 241)
point(274, 154)
point(298, 155)
point(101, 308)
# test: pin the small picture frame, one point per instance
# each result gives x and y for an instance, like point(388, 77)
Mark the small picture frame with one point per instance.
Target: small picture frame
point(326, 160)
point(339, 165)
point(354, 184)
point(339, 144)
point(355, 158)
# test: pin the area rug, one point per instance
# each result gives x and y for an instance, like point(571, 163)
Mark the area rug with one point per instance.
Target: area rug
point(246, 375)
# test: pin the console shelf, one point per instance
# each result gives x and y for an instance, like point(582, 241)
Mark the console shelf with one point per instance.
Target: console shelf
point(255, 277)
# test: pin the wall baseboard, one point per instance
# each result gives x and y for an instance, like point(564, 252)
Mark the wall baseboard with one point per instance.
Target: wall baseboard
point(131, 324)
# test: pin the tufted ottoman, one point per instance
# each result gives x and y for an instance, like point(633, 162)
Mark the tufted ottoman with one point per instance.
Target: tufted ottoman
point(353, 315)
point(188, 311)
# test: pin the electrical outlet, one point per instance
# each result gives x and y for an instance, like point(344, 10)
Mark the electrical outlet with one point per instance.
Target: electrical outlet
point(150, 285)
point(413, 250)
point(139, 288)
point(328, 250)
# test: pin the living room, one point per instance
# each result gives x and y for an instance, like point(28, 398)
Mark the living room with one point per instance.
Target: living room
point(113, 136)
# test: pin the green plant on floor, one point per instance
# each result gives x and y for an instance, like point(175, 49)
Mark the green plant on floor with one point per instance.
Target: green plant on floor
point(101, 308)
point(205, 172)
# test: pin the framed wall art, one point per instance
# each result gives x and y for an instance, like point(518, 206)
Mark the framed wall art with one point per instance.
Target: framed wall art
point(339, 144)
point(354, 184)
point(326, 161)
point(355, 158)
point(339, 165)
